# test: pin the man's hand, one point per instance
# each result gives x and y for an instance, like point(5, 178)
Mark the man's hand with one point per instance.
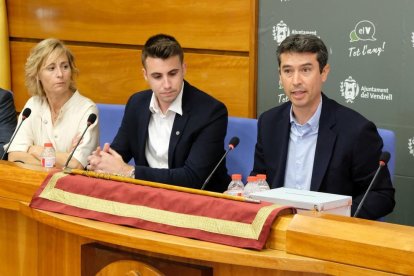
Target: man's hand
point(107, 160)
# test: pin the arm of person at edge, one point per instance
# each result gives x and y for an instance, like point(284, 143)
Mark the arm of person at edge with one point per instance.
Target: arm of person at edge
point(8, 118)
point(204, 152)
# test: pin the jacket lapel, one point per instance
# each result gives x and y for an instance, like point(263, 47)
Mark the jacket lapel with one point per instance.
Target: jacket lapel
point(142, 129)
point(179, 124)
point(324, 145)
point(280, 149)
point(176, 133)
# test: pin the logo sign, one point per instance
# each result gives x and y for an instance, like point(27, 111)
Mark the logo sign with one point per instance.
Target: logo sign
point(412, 38)
point(364, 30)
point(281, 31)
point(281, 97)
point(411, 145)
point(351, 90)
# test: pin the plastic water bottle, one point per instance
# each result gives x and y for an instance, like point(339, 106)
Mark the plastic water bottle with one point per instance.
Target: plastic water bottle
point(48, 156)
point(252, 186)
point(263, 185)
point(236, 185)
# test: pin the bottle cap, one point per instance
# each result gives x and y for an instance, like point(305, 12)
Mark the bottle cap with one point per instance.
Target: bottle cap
point(236, 176)
point(48, 145)
point(261, 176)
point(251, 178)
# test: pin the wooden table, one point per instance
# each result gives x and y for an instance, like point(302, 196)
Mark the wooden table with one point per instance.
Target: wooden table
point(34, 242)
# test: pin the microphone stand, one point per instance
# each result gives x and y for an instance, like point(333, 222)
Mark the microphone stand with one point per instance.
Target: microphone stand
point(74, 149)
point(234, 141)
point(369, 189)
point(215, 168)
point(90, 121)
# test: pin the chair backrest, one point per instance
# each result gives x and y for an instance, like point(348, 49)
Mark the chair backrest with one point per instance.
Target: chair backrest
point(110, 117)
point(241, 159)
point(388, 137)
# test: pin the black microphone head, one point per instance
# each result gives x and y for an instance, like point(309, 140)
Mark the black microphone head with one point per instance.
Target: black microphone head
point(384, 158)
point(91, 119)
point(26, 113)
point(234, 142)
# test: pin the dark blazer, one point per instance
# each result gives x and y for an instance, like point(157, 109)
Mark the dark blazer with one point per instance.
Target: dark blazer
point(8, 118)
point(196, 143)
point(347, 156)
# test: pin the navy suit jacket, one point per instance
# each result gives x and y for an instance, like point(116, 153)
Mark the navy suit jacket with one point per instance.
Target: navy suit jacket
point(196, 143)
point(347, 156)
point(8, 118)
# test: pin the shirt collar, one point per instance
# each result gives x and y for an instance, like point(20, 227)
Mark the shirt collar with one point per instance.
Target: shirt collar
point(313, 122)
point(176, 105)
point(73, 100)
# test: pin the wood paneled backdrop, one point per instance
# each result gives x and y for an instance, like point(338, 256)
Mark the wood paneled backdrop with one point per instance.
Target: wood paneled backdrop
point(218, 37)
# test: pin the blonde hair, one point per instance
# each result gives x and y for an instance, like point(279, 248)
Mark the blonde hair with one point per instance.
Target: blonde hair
point(36, 59)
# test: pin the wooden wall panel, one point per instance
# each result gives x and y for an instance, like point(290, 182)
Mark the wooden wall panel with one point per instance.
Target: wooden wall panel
point(218, 37)
point(201, 24)
point(111, 75)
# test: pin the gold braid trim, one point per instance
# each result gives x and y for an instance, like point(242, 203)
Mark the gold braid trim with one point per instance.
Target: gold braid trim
point(120, 178)
point(212, 225)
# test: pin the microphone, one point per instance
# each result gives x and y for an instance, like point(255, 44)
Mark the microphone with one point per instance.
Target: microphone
point(232, 145)
point(25, 115)
point(384, 158)
point(91, 120)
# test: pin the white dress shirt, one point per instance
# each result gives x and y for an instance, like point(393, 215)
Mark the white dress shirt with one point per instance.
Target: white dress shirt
point(159, 131)
point(301, 151)
point(38, 129)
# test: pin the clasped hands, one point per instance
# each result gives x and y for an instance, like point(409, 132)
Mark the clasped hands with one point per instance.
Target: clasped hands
point(107, 160)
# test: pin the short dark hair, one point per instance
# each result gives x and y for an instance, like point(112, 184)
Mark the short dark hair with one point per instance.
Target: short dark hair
point(161, 46)
point(304, 43)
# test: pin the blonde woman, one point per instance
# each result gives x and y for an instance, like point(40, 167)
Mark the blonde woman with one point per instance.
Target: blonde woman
point(59, 112)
